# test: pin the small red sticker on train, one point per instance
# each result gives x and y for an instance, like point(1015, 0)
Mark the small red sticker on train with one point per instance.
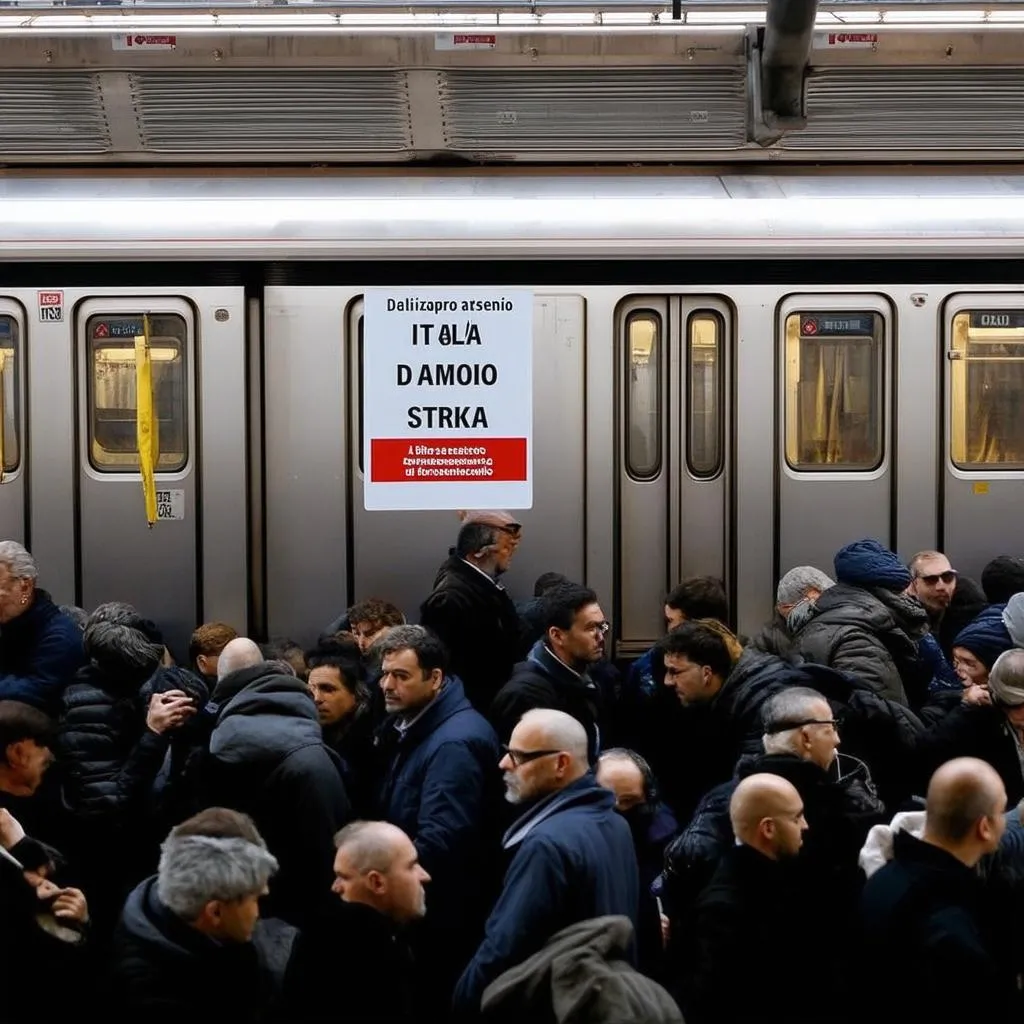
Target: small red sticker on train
point(141, 42)
point(845, 40)
point(51, 306)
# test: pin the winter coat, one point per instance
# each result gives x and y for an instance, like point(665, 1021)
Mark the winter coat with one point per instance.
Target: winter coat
point(163, 971)
point(572, 860)
point(581, 976)
point(478, 623)
point(872, 635)
point(267, 759)
point(932, 932)
point(40, 652)
point(542, 681)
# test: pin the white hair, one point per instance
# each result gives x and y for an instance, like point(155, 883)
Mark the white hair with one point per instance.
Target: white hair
point(790, 705)
point(370, 845)
point(237, 654)
point(197, 869)
point(795, 585)
point(20, 564)
point(559, 731)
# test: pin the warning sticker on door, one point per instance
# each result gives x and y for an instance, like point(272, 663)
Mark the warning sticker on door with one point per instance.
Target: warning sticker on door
point(51, 307)
point(170, 505)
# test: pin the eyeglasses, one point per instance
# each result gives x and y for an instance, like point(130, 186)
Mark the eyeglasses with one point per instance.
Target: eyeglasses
point(778, 727)
point(949, 576)
point(601, 628)
point(512, 529)
point(521, 757)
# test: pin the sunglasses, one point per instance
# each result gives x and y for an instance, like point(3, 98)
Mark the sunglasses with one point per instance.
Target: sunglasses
point(949, 576)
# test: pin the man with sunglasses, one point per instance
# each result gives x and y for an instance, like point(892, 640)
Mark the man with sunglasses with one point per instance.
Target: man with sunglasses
point(572, 856)
point(470, 610)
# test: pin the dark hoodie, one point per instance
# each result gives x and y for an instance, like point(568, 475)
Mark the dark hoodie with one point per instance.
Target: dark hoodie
point(165, 972)
point(268, 760)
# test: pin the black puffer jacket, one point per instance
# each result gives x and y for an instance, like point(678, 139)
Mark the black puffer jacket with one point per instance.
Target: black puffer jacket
point(870, 634)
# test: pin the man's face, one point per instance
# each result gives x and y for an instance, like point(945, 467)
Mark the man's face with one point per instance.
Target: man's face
point(237, 918)
point(969, 668)
point(365, 633)
point(822, 739)
point(788, 827)
point(693, 683)
point(405, 685)
point(530, 765)
point(397, 892)
point(332, 698)
point(673, 618)
point(934, 583)
point(583, 642)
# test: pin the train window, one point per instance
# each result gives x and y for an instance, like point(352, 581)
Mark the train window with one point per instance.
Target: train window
point(704, 438)
point(643, 394)
point(10, 395)
point(987, 389)
point(834, 390)
point(113, 444)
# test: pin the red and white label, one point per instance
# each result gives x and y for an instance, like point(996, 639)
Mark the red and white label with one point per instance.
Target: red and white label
point(399, 460)
point(51, 306)
point(465, 41)
point(141, 42)
point(845, 40)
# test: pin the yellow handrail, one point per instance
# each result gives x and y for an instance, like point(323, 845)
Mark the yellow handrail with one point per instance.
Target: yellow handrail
point(144, 421)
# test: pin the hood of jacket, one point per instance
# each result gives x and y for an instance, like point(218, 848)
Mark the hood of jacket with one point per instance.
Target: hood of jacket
point(148, 921)
point(879, 848)
point(262, 715)
point(584, 792)
point(877, 611)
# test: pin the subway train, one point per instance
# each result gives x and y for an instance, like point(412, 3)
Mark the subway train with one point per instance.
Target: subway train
point(733, 373)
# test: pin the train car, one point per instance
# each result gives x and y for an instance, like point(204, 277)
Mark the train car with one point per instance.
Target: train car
point(733, 374)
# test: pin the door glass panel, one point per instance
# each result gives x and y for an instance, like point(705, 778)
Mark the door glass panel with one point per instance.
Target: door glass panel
point(113, 444)
point(987, 389)
point(704, 438)
point(10, 394)
point(643, 394)
point(834, 390)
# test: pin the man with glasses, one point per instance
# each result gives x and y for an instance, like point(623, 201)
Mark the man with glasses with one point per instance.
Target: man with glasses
point(572, 856)
point(554, 674)
point(470, 610)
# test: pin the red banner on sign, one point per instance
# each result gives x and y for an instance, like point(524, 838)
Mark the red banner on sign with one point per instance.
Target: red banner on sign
point(401, 460)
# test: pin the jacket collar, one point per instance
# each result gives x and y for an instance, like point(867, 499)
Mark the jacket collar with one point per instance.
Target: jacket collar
point(544, 658)
point(450, 700)
point(582, 792)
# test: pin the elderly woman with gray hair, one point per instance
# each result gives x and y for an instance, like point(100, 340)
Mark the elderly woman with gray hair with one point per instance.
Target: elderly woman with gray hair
point(115, 735)
point(40, 647)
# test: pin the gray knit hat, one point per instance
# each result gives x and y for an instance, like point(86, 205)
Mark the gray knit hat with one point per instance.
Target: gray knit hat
point(794, 585)
point(1013, 619)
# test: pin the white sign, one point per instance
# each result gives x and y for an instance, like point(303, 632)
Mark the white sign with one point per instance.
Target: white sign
point(448, 398)
point(141, 42)
point(170, 505)
point(51, 307)
point(465, 41)
point(845, 40)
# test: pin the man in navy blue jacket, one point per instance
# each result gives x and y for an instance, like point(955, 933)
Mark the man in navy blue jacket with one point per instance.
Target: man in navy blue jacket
point(572, 854)
point(441, 783)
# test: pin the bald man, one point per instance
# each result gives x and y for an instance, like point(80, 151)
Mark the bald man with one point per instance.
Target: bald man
point(936, 953)
point(267, 759)
point(749, 929)
point(572, 856)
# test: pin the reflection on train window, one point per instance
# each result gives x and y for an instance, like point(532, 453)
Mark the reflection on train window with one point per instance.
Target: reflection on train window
point(987, 389)
point(834, 389)
point(704, 438)
point(643, 394)
point(10, 395)
point(113, 442)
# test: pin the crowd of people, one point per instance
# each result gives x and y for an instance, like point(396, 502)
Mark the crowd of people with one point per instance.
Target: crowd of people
point(483, 817)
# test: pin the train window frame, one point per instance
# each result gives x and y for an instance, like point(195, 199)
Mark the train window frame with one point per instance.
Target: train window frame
point(11, 382)
point(957, 390)
point(804, 306)
point(658, 345)
point(126, 463)
point(720, 396)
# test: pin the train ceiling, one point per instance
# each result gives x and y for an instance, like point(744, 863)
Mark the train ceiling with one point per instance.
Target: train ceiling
point(621, 81)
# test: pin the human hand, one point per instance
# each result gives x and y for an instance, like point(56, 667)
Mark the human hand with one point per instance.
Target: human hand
point(11, 832)
point(169, 711)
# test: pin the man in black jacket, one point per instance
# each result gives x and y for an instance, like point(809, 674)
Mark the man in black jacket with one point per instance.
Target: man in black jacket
point(472, 613)
point(190, 946)
point(267, 759)
point(379, 880)
point(930, 927)
point(554, 674)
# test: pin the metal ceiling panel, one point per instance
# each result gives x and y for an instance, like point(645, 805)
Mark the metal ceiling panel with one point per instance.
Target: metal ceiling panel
point(54, 114)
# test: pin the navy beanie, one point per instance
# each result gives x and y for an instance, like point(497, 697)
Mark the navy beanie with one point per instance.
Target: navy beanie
point(867, 563)
point(986, 637)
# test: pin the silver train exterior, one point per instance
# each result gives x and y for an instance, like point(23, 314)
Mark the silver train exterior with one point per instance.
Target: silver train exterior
point(733, 374)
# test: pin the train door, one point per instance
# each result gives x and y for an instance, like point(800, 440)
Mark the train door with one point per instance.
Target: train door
point(395, 555)
point(13, 492)
point(835, 472)
point(674, 431)
point(983, 459)
point(200, 471)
